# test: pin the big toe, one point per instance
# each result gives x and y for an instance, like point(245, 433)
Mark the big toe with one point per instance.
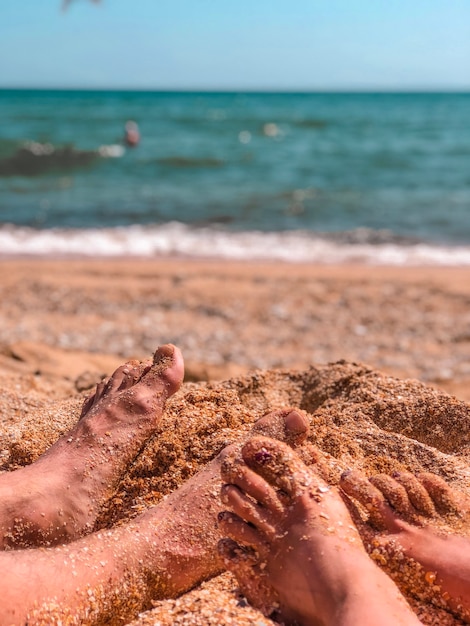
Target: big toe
point(168, 366)
point(289, 425)
point(278, 464)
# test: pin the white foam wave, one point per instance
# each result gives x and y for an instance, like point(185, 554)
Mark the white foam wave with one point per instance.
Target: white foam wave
point(177, 239)
point(114, 151)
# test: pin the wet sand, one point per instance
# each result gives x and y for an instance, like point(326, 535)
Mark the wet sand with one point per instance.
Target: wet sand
point(262, 335)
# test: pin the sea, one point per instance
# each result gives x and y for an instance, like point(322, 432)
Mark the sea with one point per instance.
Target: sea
point(310, 177)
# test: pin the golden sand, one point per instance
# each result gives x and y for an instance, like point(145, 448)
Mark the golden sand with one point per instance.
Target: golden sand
point(359, 419)
point(228, 318)
point(64, 325)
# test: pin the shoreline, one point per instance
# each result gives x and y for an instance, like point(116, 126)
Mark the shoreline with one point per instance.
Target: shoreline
point(358, 246)
point(267, 263)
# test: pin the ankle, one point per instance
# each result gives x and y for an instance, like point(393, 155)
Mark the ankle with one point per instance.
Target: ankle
point(371, 599)
point(366, 595)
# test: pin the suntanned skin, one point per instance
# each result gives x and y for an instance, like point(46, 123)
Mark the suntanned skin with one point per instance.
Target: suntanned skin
point(402, 507)
point(293, 547)
point(109, 576)
point(57, 498)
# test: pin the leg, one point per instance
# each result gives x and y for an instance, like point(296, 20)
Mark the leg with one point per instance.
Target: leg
point(294, 548)
point(108, 577)
point(58, 497)
point(405, 508)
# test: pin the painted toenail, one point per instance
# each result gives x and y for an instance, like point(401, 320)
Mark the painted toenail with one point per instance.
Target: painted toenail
point(346, 474)
point(263, 456)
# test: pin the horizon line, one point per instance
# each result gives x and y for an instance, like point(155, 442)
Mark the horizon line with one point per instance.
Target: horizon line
point(228, 90)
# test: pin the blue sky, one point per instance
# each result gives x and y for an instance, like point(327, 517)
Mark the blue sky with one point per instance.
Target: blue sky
point(236, 44)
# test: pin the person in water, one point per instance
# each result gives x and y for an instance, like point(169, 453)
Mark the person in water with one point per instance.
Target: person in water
point(278, 538)
point(131, 134)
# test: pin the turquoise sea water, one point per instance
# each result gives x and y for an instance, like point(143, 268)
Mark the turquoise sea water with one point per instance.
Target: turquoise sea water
point(349, 168)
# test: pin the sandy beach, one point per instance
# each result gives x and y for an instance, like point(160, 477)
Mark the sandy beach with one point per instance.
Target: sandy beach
point(229, 318)
point(377, 357)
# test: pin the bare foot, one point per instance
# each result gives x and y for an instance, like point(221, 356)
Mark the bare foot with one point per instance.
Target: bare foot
point(411, 511)
point(58, 497)
point(294, 548)
point(108, 577)
point(187, 518)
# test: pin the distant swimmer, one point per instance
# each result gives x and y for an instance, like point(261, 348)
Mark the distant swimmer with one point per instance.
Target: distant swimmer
point(132, 135)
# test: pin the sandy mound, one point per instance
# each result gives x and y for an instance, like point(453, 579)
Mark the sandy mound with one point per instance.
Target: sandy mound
point(359, 418)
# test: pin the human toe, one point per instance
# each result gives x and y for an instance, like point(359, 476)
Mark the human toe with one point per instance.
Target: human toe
point(168, 366)
point(278, 465)
point(445, 498)
point(250, 572)
point(235, 528)
point(247, 509)
point(289, 425)
point(235, 472)
point(395, 494)
point(417, 494)
point(357, 486)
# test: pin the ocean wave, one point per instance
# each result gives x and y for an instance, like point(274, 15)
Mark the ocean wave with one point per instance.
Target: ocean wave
point(180, 240)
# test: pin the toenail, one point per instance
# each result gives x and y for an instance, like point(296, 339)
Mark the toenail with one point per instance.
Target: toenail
point(263, 456)
point(295, 422)
point(346, 474)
